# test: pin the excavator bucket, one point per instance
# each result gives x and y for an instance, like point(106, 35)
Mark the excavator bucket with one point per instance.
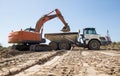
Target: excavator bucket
point(65, 29)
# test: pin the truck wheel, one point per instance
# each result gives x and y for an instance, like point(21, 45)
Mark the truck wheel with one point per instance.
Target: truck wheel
point(94, 45)
point(64, 45)
point(53, 45)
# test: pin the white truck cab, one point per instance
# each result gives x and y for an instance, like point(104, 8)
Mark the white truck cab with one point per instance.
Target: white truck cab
point(92, 40)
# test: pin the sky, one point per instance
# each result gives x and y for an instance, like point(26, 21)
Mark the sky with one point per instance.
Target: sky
point(20, 14)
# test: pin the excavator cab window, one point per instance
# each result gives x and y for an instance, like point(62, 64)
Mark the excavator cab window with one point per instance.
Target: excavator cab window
point(30, 29)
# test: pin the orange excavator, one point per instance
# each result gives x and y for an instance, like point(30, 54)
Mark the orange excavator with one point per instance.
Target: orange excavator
point(31, 38)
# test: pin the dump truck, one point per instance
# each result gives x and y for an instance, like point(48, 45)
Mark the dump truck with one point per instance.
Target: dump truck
point(89, 39)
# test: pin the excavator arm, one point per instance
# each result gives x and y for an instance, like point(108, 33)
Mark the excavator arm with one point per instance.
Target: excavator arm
point(48, 17)
point(66, 27)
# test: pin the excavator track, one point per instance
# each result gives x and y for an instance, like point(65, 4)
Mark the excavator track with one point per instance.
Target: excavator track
point(35, 47)
point(20, 47)
point(41, 47)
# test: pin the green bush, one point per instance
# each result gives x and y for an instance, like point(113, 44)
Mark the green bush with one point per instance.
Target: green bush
point(0, 45)
point(115, 45)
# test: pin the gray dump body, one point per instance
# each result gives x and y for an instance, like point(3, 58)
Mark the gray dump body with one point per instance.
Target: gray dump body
point(59, 37)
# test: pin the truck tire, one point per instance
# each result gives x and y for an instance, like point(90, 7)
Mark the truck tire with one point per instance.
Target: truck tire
point(64, 46)
point(53, 45)
point(94, 45)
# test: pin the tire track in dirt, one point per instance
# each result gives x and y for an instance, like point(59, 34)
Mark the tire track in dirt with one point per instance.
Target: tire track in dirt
point(26, 61)
point(106, 63)
point(43, 70)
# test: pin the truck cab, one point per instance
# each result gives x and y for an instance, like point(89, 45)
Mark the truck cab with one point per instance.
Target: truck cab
point(92, 40)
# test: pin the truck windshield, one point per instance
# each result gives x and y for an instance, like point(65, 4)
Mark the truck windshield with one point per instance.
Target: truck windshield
point(90, 31)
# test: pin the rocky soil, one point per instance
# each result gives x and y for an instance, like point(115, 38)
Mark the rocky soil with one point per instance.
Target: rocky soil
point(75, 62)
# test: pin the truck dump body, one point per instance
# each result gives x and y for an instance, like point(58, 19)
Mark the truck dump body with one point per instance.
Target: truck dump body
point(60, 37)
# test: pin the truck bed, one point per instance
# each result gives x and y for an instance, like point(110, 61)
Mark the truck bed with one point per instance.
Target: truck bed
point(58, 37)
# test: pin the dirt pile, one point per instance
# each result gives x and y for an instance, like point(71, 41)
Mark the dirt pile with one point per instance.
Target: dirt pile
point(7, 53)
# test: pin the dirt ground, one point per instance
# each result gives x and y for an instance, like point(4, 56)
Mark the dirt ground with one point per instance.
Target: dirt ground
point(75, 62)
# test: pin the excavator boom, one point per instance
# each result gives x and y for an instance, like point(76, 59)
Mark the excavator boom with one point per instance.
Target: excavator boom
point(42, 20)
point(47, 17)
point(66, 27)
